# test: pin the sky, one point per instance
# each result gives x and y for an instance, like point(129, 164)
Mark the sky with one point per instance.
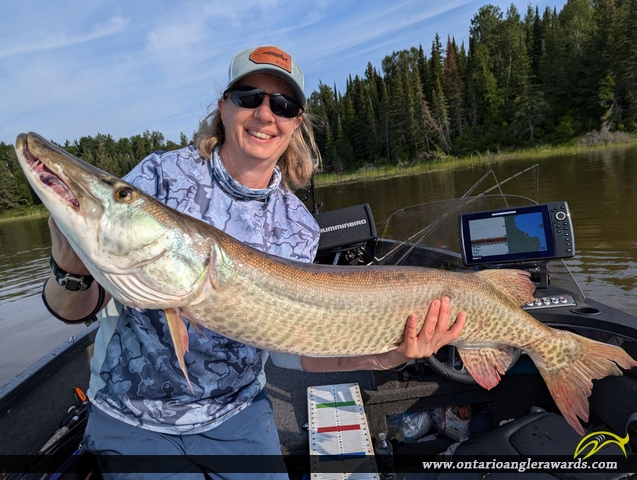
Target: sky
point(72, 68)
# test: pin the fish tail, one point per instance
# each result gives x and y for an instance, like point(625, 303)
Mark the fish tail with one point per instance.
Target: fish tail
point(570, 367)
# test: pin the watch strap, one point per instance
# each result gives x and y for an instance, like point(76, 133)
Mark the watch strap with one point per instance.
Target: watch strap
point(89, 319)
point(70, 281)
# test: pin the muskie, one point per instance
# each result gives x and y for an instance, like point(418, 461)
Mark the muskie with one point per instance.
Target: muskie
point(147, 255)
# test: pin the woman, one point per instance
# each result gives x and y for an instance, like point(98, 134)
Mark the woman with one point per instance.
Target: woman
point(248, 152)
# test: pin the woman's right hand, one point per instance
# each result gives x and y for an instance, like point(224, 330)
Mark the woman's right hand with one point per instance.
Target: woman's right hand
point(63, 253)
point(65, 304)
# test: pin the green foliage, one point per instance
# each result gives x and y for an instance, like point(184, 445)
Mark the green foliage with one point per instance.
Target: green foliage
point(115, 157)
point(15, 191)
point(525, 80)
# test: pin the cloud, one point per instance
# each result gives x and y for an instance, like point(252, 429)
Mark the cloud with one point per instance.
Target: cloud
point(50, 41)
point(174, 38)
point(73, 68)
point(246, 12)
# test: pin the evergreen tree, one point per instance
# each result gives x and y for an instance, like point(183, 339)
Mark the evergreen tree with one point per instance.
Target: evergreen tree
point(629, 64)
point(423, 70)
point(453, 88)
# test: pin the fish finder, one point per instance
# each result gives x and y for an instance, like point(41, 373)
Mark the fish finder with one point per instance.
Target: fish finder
point(529, 234)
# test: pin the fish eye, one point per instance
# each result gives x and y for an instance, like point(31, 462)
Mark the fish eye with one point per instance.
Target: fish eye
point(124, 194)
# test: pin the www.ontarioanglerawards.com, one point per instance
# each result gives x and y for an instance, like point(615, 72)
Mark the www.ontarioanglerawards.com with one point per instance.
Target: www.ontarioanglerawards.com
point(521, 465)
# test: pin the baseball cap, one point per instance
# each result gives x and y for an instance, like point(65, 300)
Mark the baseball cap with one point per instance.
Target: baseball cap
point(267, 59)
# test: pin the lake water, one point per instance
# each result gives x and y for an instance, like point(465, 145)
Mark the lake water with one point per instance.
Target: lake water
point(600, 187)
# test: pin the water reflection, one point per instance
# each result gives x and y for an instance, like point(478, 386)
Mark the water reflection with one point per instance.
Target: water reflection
point(23, 246)
point(27, 331)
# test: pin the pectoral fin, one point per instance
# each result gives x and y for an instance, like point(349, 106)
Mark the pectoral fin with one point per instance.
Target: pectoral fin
point(199, 330)
point(487, 364)
point(179, 334)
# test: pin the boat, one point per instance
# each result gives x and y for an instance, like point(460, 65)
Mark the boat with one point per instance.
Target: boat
point(516, 420)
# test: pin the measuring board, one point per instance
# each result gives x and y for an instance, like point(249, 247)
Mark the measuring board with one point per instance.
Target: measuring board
point(340, 444)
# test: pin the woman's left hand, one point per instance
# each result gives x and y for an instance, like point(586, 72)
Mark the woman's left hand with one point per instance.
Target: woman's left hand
point(433, 335)
point(416, 344)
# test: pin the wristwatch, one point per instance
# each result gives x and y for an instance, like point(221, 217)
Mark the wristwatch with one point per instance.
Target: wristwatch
point(74, 283)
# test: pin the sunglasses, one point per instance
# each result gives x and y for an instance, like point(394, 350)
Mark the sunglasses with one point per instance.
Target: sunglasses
point(251, 97)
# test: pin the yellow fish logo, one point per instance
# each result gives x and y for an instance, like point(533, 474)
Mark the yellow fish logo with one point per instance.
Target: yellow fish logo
point(598, 440)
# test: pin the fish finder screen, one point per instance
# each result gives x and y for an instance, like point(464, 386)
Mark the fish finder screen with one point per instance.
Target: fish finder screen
point(507, 234)
point(515, 235)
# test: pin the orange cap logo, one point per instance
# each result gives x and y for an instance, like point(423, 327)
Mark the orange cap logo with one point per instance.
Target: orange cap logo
point(272, 56)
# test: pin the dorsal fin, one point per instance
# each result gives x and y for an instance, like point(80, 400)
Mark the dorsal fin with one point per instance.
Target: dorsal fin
point(515, 283)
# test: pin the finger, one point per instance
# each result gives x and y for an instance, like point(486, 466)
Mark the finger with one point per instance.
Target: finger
point(458, 325)
point(411, 327)
point(431, 320)
point(454, 332)
point(410, 340)
point(443, 315)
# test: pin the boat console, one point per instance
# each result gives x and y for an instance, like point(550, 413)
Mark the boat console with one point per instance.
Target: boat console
point(520, 237)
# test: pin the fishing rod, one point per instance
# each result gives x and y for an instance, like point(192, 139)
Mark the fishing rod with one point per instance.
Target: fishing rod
point(421, 235)
point(45, 464)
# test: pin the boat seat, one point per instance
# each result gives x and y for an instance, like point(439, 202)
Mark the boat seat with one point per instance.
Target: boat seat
point(535, 435)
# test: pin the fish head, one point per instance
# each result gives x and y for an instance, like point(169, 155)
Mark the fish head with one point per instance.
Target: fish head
point(138, 249)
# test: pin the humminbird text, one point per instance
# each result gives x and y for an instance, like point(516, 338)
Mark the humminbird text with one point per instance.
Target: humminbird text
point(343, 225)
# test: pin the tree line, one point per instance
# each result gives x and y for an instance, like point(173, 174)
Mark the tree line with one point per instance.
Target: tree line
point(523, 80)
point(115, 157)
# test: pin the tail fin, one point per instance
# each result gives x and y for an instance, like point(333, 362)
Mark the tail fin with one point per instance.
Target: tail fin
point(570, 386)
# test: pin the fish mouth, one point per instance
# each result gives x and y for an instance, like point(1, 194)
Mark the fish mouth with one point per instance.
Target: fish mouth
point(48, 177)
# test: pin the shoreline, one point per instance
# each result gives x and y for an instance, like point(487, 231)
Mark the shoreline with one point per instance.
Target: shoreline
point(32, 211)
point(371, 173)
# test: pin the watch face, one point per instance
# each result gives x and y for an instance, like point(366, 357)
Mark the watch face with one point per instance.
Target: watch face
point(74, 283)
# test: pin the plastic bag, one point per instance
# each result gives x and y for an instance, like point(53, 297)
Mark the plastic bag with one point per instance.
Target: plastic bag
point(453, 422)
point(410, 426)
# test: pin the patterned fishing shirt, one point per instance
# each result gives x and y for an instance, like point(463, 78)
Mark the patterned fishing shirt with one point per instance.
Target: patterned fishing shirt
point(135, 375)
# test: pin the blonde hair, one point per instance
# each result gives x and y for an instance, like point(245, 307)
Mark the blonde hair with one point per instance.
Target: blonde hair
point(298, 163)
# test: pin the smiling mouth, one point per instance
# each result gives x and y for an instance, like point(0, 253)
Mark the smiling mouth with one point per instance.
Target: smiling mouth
point(49, 178)
point(260, 135)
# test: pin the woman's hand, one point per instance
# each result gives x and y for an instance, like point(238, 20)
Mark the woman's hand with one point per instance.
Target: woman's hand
point(434, 333)
point(63, 253)
point(416, 344)
point(64, 304)
point(424, 343)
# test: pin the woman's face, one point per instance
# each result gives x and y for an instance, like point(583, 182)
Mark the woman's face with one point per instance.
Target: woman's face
point(256, 138)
